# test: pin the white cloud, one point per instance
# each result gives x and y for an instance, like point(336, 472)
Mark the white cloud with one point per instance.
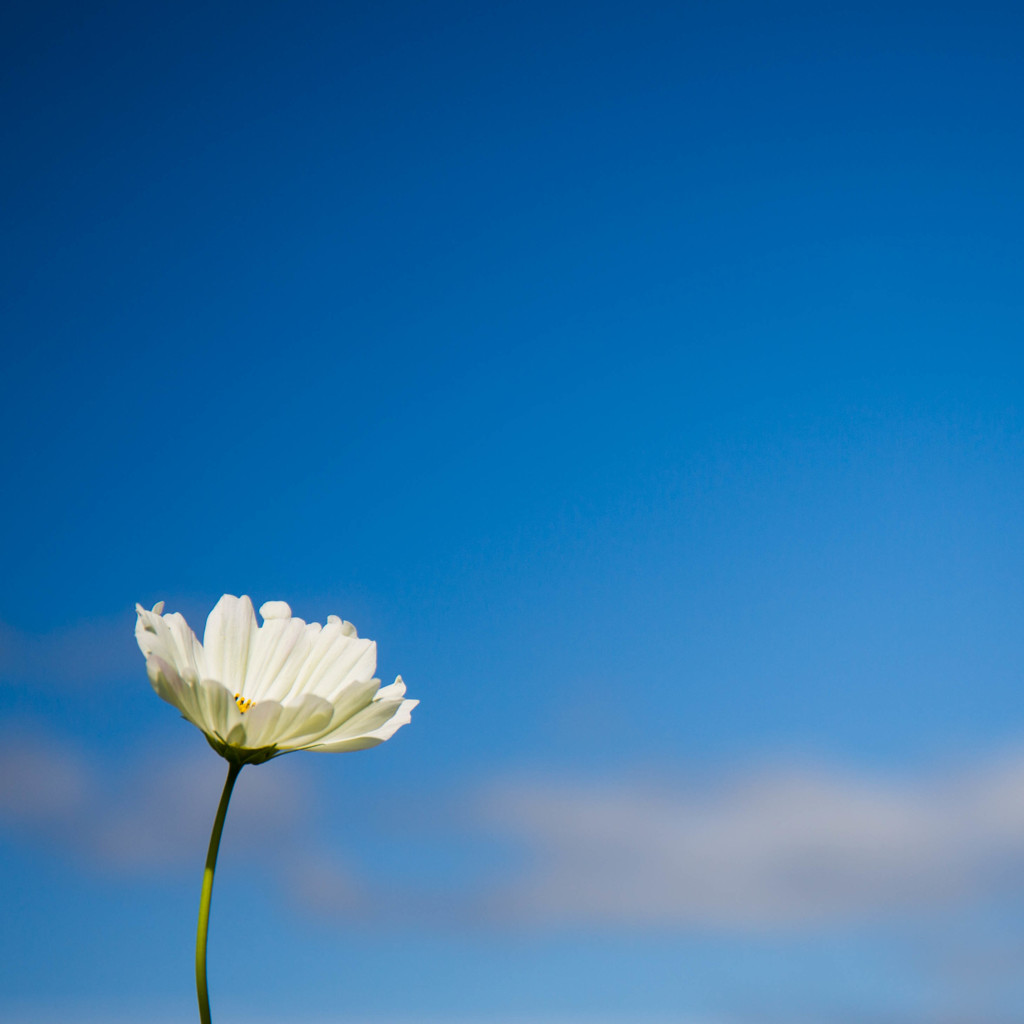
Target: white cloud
point(40, 783)
point(152, 815)
point(160, 816)
point(769, 848)
point(764, 848)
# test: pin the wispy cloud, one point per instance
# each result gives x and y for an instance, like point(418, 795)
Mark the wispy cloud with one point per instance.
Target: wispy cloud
point(153, 815)
point(160, 816)
point(41, 784)
point(767, 848)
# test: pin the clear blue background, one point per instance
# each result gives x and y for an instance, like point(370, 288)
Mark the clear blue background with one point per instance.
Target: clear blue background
point(644, 377)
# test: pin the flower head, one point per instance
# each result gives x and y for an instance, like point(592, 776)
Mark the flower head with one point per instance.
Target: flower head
point(260, 691)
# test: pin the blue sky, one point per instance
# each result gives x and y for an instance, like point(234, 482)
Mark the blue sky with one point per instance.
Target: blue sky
point(646, 379)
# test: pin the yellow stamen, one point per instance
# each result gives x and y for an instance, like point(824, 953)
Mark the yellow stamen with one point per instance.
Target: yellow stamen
point(243, 704)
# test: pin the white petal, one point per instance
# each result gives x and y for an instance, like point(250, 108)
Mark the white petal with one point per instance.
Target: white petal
point(336, 661)
point(310, 718)
point(169, 638)
point(321, 718)
point(275, 610)
point(236, 735)
point(261, 723)
point(321, 643)
point(356, 696)
point(403, 716)
point(353, 666)
point(165, 680)
point(154, 636)
point(190, 654)
point(396, 689)
point(284, 684)
point(217, 704)
point(278, 654)
point(186, 694)
point(228, 641)
point(373, 725)
point(346, 627)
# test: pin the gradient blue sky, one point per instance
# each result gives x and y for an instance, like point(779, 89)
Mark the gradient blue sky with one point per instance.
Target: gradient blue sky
point(647, 380)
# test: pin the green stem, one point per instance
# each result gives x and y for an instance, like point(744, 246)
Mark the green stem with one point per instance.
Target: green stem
point(204, 899)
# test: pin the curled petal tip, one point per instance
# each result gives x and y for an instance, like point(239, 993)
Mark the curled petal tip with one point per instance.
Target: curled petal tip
point(275, 610)
point(395, 691)
point(158, 608)
point(347, 628)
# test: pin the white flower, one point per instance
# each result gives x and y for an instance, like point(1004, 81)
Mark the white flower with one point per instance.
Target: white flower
point(257, 692)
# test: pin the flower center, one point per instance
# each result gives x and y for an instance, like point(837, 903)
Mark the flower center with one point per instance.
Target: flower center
point(243, 704)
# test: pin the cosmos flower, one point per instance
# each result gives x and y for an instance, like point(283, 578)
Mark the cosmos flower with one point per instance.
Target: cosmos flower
point(260, 691)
